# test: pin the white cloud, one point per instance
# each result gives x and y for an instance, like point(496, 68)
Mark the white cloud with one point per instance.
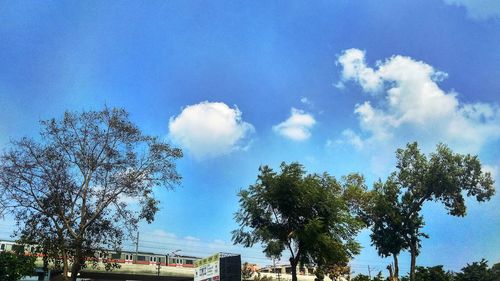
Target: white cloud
point(410, 105)
point(163, 234)
point(305, 101)
point(297, 127)
point(209, 129)
point(354, 67)
point(478, 9)
point(191, 238)
point(349, 137)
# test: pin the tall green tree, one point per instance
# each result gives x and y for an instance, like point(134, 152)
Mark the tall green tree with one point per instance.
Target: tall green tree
point(68, 188)
point(443, 177)
point(385, 215)
point(306, 216)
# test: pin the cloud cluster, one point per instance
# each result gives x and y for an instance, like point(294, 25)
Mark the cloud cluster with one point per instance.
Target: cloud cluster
point(297, 127)
point(209, 129)
point(410, 105)
point(478, 9)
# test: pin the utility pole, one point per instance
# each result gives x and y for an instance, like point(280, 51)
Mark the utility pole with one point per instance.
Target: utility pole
point(369, 272)
point(136, 247)
point(277, 272)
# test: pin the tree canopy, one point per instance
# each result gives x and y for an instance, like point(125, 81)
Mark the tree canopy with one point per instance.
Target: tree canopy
point(69, 189)
point(385, 216)
point(476, 271)
point(443, 177)
point(433, 273)
point(305, 216)
point(479, 271)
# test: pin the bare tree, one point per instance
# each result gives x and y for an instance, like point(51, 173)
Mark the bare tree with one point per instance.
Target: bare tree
point(68, 190)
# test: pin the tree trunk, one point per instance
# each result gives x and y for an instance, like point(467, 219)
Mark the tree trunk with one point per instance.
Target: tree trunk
point(75, 269)
point(65, 264)
point(391, 274)
point(77, 262)
point(293, 264)
point(413, 253)
point(45, 263)
point(396, 267)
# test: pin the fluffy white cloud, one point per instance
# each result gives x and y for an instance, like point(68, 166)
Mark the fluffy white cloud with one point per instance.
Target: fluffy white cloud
point(209, 129)
point(354, 67)
point(297, 127)
point(478, 9)
point(410, 105)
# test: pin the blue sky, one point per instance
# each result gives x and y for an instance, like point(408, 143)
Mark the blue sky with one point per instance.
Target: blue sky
point(335, 85)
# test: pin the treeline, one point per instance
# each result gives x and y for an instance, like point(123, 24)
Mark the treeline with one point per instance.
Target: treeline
point(476, 271)
point(68, 191)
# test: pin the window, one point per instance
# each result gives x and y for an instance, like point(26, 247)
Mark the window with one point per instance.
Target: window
point(2, 247)
point(17, 248)
point(116, 256)
point(141, 258)
point(189, 261)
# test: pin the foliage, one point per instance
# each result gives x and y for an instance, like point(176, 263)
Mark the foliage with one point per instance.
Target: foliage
point(385, 215)
point(333, 271)
point(14, 266)
point(443, 177)
point(479, 271)
point(306, 215)
point(361, 277)
point(434, 273)
point(495, 269)
point(68, 190)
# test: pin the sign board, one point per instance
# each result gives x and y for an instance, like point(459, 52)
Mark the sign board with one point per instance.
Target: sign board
point(207, 269)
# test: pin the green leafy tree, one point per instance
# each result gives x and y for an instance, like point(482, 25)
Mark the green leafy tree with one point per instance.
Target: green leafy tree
point(444, 177)
point(385, 216)
point(68, 188)
point(307, 216)
point(478, 271)
point(434, 273)
point(14, 266)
